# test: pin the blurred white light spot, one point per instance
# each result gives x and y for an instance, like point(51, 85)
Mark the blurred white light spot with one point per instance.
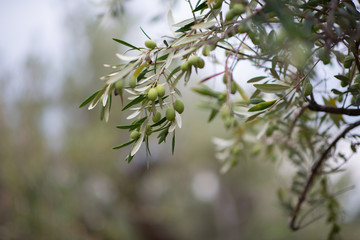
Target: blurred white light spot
point(205, 186)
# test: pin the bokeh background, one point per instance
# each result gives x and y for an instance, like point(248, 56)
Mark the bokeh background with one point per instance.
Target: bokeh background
point(60, 178)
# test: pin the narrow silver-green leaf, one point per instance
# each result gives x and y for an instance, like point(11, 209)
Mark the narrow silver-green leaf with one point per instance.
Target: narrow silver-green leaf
point(125, 43)
point(89, 99)
point(125, 144)
point(262, 106)
point(256, 79)
point(271, 88)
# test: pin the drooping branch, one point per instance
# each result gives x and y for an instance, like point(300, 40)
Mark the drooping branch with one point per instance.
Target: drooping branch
point(330, 109)
point(314, 173)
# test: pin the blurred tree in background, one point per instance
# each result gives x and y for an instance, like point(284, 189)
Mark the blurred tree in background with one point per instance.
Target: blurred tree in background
point(59, 180)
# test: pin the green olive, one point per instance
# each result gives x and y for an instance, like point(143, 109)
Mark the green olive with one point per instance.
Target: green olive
point(206, 50)
point(135, 134)
point(233, 87)
point(201, 63)
point(160, 90)
point(152, 94)
point(185, 66)
point(222, 96)
point(230, 15)
point(170, 114)
point(193, 60)
point(228, 122)
point(269, 131)
point(148, 130)
point(238, 9)
point(196, 61)
point(225, 112)
point(150, 44)
point(179, 106)
point(242, 28)
point(236, 150)
point(217, 4)
point(324, 56)
point(119, 85)
point(156, 117)
point(132, 81)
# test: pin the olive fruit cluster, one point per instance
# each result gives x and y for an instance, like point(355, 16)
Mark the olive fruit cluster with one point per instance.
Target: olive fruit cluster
point(235, 10)
point(195, 61)
point(155, 92)
point(178, 107)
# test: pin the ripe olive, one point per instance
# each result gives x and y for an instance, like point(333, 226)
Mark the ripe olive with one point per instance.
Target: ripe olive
point(152, 94)
point(156, 117)
point(132, 81)
point(170, 114)
point(179, 106)
point(150, 44)
point(160, 90)
point(135, 134)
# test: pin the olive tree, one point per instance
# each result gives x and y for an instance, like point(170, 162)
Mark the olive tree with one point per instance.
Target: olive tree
point(302, 113)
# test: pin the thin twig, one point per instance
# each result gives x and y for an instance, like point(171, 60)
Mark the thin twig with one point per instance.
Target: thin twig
point(314, 172)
